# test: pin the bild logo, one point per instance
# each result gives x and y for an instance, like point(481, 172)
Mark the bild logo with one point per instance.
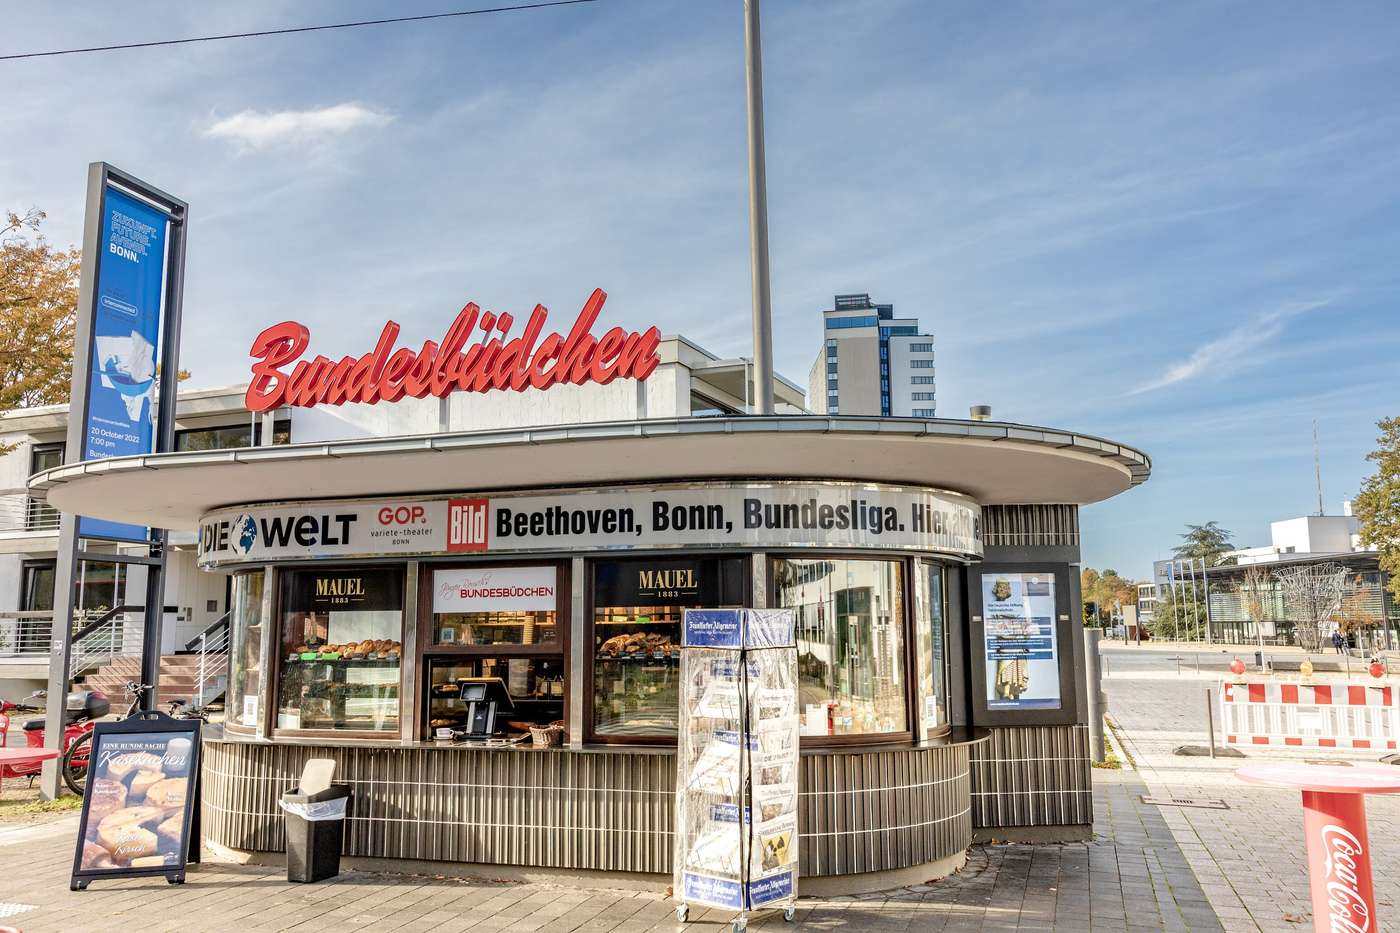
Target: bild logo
point(467, 528)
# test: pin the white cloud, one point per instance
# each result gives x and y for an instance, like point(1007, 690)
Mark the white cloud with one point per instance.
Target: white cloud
point(1233, 349)
point(260, 129)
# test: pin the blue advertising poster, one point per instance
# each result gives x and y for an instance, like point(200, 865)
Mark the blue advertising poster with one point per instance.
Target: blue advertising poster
point(1023, 665)
point(126, 331)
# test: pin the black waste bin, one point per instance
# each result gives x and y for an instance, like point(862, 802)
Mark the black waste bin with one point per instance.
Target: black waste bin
point(315, 832)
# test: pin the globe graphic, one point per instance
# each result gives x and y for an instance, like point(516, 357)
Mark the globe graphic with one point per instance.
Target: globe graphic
point(247, 531)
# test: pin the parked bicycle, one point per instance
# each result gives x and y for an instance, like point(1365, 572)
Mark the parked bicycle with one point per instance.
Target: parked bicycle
point(75, 759)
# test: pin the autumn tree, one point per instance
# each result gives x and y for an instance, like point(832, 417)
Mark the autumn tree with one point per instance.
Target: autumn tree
point(1107, 592)
point(38, 301)
point(1378, 505)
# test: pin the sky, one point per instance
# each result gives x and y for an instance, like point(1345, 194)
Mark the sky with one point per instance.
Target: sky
point(1173, 225)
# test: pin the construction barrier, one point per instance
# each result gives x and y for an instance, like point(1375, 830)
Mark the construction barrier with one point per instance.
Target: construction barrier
point(1310, 715)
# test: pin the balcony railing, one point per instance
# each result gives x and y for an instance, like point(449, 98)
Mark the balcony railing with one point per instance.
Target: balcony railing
point(98, 638)
point(19, 513)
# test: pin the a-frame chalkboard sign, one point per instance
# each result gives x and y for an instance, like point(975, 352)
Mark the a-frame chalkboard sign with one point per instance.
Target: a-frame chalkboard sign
point(141, 806)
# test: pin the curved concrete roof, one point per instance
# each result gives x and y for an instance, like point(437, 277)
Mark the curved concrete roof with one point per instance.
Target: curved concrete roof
point(990, 461)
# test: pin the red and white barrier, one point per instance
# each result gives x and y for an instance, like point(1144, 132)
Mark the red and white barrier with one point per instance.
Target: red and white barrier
point(1310, 715)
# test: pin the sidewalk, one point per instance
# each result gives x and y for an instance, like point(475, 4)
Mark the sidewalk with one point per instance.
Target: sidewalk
point(1133, 876)
point(1249, 859)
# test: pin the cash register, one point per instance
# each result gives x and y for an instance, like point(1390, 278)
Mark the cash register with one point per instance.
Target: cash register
point(483, 697)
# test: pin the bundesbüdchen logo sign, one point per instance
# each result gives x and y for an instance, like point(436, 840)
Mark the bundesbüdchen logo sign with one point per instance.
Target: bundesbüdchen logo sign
point(496, 361)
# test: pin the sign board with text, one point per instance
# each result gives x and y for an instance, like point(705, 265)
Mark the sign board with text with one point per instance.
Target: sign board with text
point(140, 803)
point(720, 514)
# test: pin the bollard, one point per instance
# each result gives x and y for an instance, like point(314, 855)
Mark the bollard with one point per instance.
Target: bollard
point(1092, 691)
point(1210, 721)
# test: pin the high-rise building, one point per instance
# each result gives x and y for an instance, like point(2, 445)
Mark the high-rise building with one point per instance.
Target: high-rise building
point(871, 363)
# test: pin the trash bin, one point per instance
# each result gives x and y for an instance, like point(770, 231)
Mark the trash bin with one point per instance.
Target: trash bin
point(315, 832)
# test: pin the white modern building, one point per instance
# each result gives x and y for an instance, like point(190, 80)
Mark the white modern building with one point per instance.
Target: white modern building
point(1306, 536)
point(871, 363)
point(689, 382)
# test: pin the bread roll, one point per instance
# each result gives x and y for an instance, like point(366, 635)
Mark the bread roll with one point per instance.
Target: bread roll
point(105, 796)
point(141, 782)
point(151, 861)
point(125, 837)
point(124, 765)
point(168, 794)
point(170, 831)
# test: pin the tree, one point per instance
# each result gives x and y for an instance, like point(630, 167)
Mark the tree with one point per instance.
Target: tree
point(1378, 505)
point(1205, 542)
point(1254, 594)
point(1357, 613)
point(1176, 619)
point(38, 303)
point(1107, 592)
point(1311, 594)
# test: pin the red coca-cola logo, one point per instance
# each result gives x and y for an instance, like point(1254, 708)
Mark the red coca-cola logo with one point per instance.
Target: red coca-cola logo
point(492, 363)
point(1347, 909)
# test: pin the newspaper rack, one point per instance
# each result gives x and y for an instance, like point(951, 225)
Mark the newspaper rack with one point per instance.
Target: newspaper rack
point(737, 765)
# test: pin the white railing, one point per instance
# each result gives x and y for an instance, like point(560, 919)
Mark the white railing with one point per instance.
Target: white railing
point(211, 646)
point(19, 513)
point(28, 636)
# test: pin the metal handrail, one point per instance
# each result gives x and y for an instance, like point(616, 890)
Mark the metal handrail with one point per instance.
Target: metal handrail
point(101, 620)
point(221, 622)
point(20, 513)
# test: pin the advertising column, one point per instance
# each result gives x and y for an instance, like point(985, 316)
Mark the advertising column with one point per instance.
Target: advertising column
point(736, 787)
point(129, 301)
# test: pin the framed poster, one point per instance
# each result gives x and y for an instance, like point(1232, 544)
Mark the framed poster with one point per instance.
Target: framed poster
point(1019, 639)
point(141, 803)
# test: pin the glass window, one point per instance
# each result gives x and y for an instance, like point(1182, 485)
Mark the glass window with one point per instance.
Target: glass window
point(921, 380)
point(245, 676)
point(842, 323)
point(831, 367)
point(931, 640)
point(922, 396)
point(230, 436)
point(40, 516)
point(496, 606)
point(535, 687)
point(921, 364)
point(637, 635)
point(341, 649)
point(921, 348)
point(923, 413)
point(850, 642)
point(831, 348)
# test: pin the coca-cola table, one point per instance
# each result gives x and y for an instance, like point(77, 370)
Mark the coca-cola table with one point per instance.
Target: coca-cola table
point(1334, 827)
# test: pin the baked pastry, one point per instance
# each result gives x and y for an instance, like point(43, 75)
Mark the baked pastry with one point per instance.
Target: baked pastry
point(170, 831)
point(96, 857)
point(150, 861)
point(124, 835)
point(168, 794)
point(105, 796)
point(131, 762)
point(141, 782)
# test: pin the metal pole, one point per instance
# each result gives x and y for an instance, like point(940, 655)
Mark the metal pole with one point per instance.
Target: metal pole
point(1210, 720)
point(1205, 585)
point(1093, 690)
point(758, 216)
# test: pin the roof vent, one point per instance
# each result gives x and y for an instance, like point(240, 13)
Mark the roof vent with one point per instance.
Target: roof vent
point(981, 412)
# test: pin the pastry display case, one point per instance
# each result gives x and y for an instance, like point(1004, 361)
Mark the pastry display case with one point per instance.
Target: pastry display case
point(636, 637)
point(341, 649)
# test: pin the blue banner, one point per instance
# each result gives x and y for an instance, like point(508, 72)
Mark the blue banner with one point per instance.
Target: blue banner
point(125, 335)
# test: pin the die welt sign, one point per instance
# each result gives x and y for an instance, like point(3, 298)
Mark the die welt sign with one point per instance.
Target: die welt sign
point(477, 354)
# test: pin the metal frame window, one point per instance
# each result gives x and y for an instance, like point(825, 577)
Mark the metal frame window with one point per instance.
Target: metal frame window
point(920, 348)
point(921, 380)
point(921, 364)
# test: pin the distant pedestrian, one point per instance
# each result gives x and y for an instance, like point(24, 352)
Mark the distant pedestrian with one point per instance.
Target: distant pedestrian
point(1337, 642)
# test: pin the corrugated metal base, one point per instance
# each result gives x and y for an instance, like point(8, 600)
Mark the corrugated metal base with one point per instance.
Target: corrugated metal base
point(861, 812)
point(1033, 776)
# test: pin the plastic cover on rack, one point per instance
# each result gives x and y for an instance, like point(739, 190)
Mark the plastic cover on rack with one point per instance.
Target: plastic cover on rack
point(316, 811)
point(736, 790)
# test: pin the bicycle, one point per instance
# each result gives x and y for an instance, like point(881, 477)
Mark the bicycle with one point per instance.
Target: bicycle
point(75, 759)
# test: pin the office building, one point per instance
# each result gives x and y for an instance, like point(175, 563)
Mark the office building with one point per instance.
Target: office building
point(871, 363)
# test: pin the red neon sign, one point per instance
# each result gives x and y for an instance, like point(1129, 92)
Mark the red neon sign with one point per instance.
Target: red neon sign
point(492, 363)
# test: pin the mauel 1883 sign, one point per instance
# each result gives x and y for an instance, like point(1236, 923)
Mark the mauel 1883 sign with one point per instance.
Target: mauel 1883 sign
point(492, 363)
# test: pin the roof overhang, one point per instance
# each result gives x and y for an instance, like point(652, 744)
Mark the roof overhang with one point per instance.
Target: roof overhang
point(993, 462)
